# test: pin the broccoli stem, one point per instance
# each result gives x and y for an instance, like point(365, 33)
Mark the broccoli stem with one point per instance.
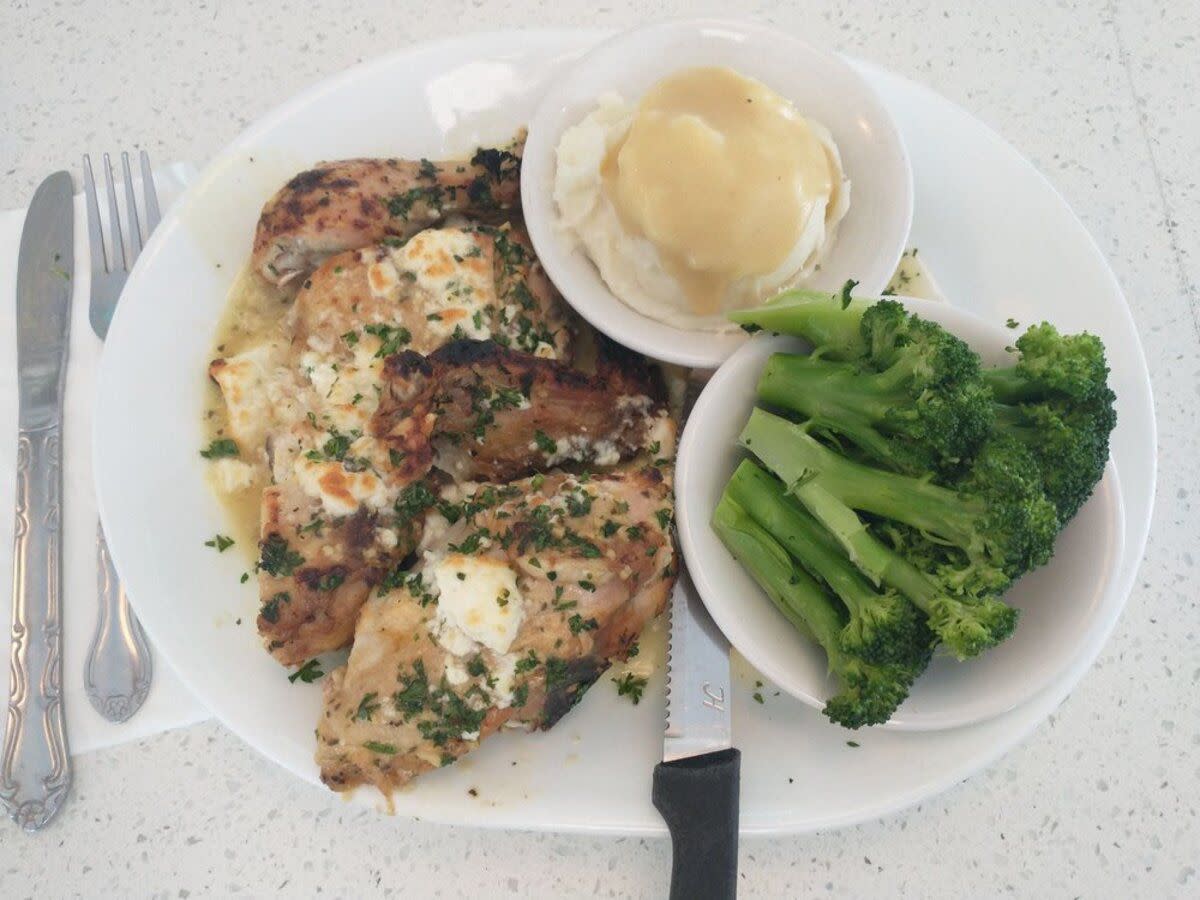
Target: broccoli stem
point(1007, 385)
point(819, 318)
point(797, 595)
point(795, 456)
point(836, 391)
point(760, 495)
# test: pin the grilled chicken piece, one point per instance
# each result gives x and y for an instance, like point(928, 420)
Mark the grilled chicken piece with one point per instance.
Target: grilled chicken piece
point(316, 572)
point(499, 414)
point(351, 509)
point(357, 202)
point(511, 614)
point(444, 284)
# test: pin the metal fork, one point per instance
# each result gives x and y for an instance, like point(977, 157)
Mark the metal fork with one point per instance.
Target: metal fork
point(118, 670)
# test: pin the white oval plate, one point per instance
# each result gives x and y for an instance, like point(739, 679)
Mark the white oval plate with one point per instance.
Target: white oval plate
point(820, 83)
point(592, 772)
point(1063, 604)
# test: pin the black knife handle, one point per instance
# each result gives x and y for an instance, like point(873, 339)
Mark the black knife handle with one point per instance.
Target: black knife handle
point(698, 799)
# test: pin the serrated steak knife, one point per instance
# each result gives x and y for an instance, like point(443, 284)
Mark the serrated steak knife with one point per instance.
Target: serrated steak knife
point(696, 785)
point(35, 767)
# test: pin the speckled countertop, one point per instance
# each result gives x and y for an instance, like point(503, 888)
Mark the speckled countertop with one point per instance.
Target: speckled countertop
point(1100, 802)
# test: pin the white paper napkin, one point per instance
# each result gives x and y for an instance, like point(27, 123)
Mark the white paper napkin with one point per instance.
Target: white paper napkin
point(169, 704)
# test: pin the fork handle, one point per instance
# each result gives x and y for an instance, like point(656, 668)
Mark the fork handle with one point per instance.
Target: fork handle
point(119, 668)
point(35, 766)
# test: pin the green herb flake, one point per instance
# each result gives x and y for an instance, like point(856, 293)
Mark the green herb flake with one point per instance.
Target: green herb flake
point(380, 747)
point(221, 542)
point(545, 443)
point(220, 449)
point(844, 294)
point(367, 707)
point(270, 609)
point(579, 624)
point(278, 558)
point(308, 673)
point(631, 686)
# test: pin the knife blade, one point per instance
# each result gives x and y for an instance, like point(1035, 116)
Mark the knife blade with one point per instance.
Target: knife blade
point(696, 785)
point(35, 766)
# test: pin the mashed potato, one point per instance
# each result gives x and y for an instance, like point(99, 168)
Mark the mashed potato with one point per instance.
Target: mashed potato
point(658, 278)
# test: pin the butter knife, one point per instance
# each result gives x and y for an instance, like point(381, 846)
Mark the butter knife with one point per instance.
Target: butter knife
point(696, 785)
point(35, 766)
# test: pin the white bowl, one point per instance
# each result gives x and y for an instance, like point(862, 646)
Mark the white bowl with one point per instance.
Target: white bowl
point(1061, 604)
point(821, 84)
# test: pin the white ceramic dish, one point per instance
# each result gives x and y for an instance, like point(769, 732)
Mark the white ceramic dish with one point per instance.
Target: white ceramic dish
point(592, 772)
point(1062, 605)
point(821, 84)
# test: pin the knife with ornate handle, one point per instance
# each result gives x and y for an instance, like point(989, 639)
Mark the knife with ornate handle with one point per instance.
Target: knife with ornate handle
point(35, 766)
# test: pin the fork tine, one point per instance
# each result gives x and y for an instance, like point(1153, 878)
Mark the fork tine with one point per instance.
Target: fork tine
point(131, 213)
point(95, 235)
point(149, 195)
point(114, 217)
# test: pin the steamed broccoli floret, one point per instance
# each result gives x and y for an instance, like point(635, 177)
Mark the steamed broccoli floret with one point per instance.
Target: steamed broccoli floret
point(912, 398)
point(869, 692)
point(1057, 403)
point(882, 626)
point(825, 320)
point(996, 514)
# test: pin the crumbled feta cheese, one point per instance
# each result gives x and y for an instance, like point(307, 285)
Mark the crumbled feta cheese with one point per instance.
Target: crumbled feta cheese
point(469, 588)
point(230, 476)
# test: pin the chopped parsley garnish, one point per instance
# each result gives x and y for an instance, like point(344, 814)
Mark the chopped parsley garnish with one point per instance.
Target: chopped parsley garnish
point(336, 448)
point(308, 673)
point(520, 695)
point(413, 501)
point(270, 609)
point(455, 718)
point(380, 747)
point(578, 624)
point(350, 337)
point(631, 686)
point(401, 205)
point(471, 543)
point(278, 558)
point(586, 548)
point(579, 504)
point(391, 338)
point(758, 697)
point(588, 585)
point(635, 532)
point(330, 581)
point(367, 707)
point(221, 542)
point(1012, 323)
point(220, 448)
point(844, 295)
point(476, 666)
point(664, 518)
point(609, 528)
point(526, 663)
point(410, 699)
point(545, 443)
point(396, 457)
